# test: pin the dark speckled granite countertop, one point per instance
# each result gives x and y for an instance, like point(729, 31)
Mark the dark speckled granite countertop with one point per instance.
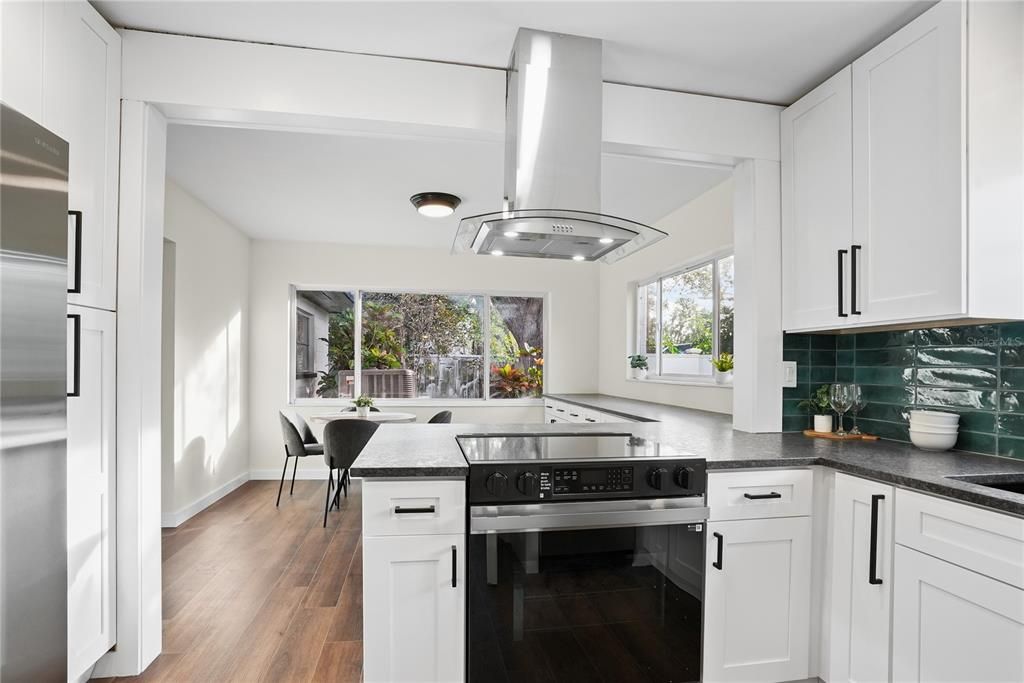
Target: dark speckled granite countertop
point(430, 450)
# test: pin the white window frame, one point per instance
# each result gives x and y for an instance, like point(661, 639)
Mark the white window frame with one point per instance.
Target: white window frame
point(639, 345)
point(310, 351)
point(485, 330)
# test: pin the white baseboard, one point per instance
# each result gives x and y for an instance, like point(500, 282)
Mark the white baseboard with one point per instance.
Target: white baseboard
point(177, 518)
point(319, 473)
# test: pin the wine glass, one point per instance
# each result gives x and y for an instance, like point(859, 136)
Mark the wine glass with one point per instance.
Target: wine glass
point(858, 405)
point(840, 397)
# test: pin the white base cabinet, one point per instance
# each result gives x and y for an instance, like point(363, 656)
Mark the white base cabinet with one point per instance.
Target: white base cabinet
point(757, 600)
point(861, 580)
point(952, 624)
point(90, 477)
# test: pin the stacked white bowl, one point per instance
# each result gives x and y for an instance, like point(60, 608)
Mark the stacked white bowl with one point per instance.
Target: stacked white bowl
point(933, 430)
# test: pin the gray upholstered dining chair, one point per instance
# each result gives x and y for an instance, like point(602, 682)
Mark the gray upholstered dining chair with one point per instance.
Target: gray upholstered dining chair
point(443, 417)
point(295, 446)
point(343, 442)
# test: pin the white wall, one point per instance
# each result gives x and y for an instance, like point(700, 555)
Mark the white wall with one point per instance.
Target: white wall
point(570, 355)
point(698, 229)
point(211, 349)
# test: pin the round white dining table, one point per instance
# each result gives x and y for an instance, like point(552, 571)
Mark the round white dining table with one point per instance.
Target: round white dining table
point(372, 417)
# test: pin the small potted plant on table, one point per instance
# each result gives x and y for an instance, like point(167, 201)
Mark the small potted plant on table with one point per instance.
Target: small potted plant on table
point(363, 404)
point(821, 407)
point(723, 366)
point(638, 365)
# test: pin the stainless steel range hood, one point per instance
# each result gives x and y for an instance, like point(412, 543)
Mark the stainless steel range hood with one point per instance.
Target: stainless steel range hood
point(552, 206)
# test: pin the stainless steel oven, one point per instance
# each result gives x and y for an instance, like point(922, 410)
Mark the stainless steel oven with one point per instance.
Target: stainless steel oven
point(587, 566)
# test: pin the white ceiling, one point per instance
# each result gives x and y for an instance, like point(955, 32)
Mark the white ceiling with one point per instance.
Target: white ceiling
point(355, 189)
point(766, 51)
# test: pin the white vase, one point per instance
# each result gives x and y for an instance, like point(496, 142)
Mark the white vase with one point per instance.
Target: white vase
point(363, 411)
point(823, 423)
point(639, 373)
point(723, 377)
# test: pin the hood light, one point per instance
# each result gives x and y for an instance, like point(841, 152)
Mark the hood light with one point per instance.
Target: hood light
point(511, 233)
point(606, 240)
point(578, 257)
point(435, 204)
point(497, 252)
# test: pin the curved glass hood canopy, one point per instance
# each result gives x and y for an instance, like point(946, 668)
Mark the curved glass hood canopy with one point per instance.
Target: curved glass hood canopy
point(552, 203)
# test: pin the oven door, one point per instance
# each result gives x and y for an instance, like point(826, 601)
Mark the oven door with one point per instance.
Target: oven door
point(592, 591)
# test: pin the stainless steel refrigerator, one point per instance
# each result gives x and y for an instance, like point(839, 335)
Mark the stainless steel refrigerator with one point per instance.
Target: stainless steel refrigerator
point(34, 341)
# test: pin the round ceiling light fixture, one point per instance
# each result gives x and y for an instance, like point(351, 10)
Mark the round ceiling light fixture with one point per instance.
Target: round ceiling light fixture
point(435, 204)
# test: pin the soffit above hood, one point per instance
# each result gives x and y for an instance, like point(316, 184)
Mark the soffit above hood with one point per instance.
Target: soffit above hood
point(553, 125)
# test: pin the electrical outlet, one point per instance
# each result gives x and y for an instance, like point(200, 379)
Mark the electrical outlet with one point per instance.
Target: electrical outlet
point(789, 373)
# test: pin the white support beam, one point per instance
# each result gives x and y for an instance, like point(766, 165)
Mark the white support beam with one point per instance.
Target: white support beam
point(757, 386)
point(140, 274)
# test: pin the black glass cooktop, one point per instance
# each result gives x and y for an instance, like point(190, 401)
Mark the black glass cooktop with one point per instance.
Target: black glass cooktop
point(563, 447)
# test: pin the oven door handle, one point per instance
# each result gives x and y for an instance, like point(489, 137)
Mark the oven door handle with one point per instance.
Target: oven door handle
point(491, 519)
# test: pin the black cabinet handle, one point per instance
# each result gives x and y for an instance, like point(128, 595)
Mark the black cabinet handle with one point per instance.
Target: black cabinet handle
point(842, 252)
point(455, 565)
point(76, 371)
point(717, 564)
point(873, 551)
point(590, 419)
point(574, 414)
point(414, 511)
point(854, 248)
point(559, 410)
point(77, 256)
point(762, 496)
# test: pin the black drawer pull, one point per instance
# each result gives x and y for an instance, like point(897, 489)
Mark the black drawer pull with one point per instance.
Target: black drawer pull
point(717, 564)
point(873, 550)
point(574, 414)
point(762, 496)
point(76, 371)
point(76, 258)
point(414, 511)
point(590, 419)
point(455, 565)
point(854, 248)
point(842, 252)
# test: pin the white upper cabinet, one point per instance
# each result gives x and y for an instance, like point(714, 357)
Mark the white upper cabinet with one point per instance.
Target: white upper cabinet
point(925, 175)
point(817, 203)
point(21, 57)
point(81, 102)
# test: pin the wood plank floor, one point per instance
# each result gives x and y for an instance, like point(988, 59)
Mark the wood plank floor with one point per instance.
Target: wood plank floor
point(252, 592)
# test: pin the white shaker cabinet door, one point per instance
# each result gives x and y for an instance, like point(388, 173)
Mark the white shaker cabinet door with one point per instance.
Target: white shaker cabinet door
point(82, 104)
point(90, 477)
point(817, 206)
point(414, 624)
point(909, 178)
point(757, 600)
point(952, 624)
point(861, 580)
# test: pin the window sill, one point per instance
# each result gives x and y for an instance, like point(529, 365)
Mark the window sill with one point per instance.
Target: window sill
point(422, 402)
point(695, 382)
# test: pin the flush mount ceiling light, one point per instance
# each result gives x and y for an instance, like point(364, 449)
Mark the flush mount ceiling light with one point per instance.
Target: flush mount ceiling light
point(435, 204)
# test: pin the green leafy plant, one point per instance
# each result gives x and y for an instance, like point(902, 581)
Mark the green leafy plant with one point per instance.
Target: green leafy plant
point(363, 401)
point(724, 362)
point(380, 359)
point(509, 381)
point(818, 403)
point(638, 361)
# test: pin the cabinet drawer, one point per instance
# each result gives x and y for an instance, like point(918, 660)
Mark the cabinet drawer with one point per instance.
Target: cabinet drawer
point(406, 508)
point(555, 409)
point(757, 494)
point(987, 542)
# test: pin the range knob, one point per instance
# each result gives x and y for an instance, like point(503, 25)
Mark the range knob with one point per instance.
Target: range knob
point(682, 476)
point(528, 484)
point(496, 484)
point(656, 477)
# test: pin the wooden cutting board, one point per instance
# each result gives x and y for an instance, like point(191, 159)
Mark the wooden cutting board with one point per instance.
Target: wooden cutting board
point(832, 436)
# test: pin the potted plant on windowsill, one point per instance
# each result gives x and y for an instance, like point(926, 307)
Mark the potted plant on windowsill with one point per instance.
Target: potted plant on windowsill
point(821, 407)
point(723, 366)
point(363, 404)
point(638, 366)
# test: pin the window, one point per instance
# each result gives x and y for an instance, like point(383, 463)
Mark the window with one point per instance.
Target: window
point(416, 346)
point(685, 318)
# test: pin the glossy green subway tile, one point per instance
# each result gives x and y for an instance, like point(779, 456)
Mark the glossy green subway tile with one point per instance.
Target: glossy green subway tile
point(823, 374)
point(968, 335)
point(790, 407)
point(800, 391)
point(1012, 334)
point(1011, 401)
point(884, 376)
point(885, 411)
point(882, 340)
point(895, 395)
point(1011, 378)
point(823, 342)
point(977, 356)
point(799, 356)
point(966, 378)
point(1011, 424)
point(886, 430)
point(792, 423)
point(846, 341)
point(1011, 447)
point(1011, 356)
point(845, 374)
point(845, 357)
point(796, 341)
point(819, 357)
point(957, 398)
point(976, 443)
point(977, 421)
point(877, 357)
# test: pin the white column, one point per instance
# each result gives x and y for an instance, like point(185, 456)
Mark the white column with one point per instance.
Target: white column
point(757, 386)
point(139, 305)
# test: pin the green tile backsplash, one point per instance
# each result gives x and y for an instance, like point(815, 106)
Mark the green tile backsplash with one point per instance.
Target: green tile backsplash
point(977, 371)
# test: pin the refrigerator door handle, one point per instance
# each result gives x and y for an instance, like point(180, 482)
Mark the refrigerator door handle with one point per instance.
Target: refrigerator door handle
point(76, 370)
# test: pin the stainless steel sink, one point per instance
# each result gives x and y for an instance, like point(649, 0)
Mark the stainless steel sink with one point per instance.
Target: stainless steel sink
point(1014, 483)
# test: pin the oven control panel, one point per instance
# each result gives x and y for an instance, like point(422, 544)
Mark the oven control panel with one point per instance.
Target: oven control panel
point(522, 483)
